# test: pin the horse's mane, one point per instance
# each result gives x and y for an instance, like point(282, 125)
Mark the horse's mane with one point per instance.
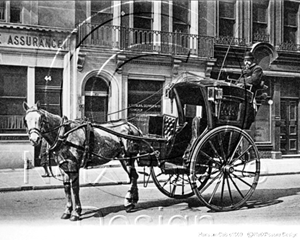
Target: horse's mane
point(50, 116)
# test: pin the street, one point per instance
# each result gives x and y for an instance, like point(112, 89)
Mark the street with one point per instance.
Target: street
point(275, 201)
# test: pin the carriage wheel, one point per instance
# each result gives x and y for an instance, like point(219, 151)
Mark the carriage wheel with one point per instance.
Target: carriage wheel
point(233, 158)
point(177, 185)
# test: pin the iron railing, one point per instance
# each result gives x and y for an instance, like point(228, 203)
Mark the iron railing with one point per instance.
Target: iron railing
point(174, 43)
point(133, 39)
point(229, 40)
point(288, 46)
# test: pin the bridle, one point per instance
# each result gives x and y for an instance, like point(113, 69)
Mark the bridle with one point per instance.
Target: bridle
point(43, 122)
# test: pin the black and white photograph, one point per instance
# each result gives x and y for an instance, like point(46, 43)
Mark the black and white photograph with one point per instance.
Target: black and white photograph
point(148, 119)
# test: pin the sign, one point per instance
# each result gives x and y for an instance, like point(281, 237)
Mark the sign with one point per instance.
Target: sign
point(33, 41)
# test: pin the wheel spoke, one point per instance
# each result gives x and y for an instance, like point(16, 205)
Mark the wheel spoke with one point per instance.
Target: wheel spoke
point(222, 148)
point(236, 187)
point(233, 162)
point(215, 190)
point(211, 182)
point(169, 180)
point(215, 150)
point(241, 180)
point(222, 189)
point(242, 171)
point(236, 148)
point(211, 159)
point(229, 190)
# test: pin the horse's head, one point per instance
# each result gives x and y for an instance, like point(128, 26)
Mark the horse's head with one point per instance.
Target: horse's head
point(34, 121)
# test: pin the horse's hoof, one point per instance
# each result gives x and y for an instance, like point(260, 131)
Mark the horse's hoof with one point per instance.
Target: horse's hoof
point(129, 208)
point(74, 218)
point(66, 216)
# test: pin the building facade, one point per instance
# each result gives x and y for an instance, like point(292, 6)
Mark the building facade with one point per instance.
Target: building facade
point(106, 60)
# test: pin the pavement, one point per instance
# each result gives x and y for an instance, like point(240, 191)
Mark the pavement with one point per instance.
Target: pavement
point(112, 174)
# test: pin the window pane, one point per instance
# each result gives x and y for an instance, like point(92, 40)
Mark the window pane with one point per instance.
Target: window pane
point(181, 16)
point(226, 27)
point(142, 23)
point(13, 92)
point(290, 35)
point(227, 10)
point(290, 13)
point(15, 11)
point(96, 84)
point(48, 88)
point(142, 15)
point(260, 12)
point(2, 10)
point(144, 97)
point(96, 108)
point(143, 9)
point(101, 12)
point(13, 81)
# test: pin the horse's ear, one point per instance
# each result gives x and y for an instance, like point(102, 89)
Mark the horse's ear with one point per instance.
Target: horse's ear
point(25, 106)
point(38, 105)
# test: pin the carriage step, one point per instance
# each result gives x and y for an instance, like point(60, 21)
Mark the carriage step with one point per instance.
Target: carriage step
point(171, 168)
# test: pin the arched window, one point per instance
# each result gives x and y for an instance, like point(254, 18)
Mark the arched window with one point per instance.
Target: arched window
point(96, 99)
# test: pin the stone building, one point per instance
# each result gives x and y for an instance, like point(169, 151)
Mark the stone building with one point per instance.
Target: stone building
point(105, 60)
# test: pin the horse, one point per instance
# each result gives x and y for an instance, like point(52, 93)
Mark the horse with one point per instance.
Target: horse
point(76, 144)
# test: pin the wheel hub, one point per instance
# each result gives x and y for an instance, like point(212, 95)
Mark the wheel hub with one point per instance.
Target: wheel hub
point(228, 169)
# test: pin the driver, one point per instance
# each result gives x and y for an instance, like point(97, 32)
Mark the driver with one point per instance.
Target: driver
point(251, 73)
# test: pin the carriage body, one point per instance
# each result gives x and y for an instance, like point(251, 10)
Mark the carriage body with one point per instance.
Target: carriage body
point(204, 147)
point(209, 102)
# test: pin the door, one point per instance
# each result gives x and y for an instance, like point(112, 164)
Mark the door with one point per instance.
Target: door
point(96, 99)
point(289, 126)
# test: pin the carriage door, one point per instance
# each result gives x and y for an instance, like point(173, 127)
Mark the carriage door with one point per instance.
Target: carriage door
point(96, 99)
point(289, 128)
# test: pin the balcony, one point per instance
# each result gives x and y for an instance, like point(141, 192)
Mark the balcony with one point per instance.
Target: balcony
point(141, 40)
point(289, 46)
point(229, 40)
point(261, 37)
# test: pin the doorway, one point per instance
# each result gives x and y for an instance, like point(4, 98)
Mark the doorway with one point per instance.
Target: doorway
point(289, 126)
point(96, 99)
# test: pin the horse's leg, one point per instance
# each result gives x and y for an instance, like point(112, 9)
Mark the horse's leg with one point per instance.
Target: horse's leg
point(75, 187)
point(67, 187)
point(132, 196)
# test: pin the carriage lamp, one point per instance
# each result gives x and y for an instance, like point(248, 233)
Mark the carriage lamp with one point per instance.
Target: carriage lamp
point(214, 93)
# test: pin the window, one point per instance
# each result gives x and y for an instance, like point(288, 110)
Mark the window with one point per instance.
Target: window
point(290, 21)
point(260, 20)
point(101, 11)
point(142, 17)
point(101, 21)
point(2, 11)
point(48, 89)
point(14, 13)
point(226, 18)
point(13, 92)
point(96, 99)
point(144, 98)
point(142, 22)
point(181, 16)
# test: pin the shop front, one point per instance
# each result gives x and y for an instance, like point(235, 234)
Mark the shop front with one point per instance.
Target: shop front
point(33, 68)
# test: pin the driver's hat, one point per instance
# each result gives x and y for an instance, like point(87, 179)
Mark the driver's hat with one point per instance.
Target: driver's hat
point(248, 56)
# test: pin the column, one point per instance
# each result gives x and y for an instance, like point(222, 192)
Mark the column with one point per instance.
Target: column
point(31, 86)
point(194, 27)
point(276, 153)
point(116, 5)
point(66, 98)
